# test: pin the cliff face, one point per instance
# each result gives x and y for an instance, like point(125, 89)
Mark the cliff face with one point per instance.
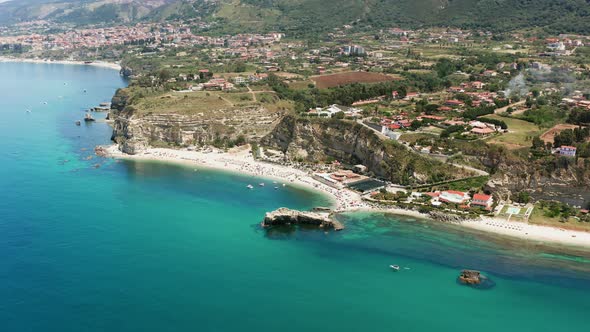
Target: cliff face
point(135, 131)
point(571, 185)
point(352, 143)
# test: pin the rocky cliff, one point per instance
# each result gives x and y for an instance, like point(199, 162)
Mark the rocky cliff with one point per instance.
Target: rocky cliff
point(570, 185)
point(135, 130)
point(352, 143)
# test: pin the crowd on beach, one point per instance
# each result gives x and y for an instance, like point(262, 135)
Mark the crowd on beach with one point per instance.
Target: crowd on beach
point(344, 199)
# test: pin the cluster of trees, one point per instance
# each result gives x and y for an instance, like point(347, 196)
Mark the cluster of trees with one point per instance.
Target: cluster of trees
point(571, 136)
point(545, 116)
point(343, 95)
point(473, 113)
point(579, 116)
point(555, 209)
point(450, 130)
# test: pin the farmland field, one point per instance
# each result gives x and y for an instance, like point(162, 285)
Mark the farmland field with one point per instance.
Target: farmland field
point(333, 80)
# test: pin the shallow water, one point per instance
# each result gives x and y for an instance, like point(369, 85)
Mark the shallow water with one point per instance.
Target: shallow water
point(144, 246)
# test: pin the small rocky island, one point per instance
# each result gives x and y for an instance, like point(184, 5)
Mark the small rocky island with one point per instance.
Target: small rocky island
point(475, 279)
point(284, 216)
point(470, 277)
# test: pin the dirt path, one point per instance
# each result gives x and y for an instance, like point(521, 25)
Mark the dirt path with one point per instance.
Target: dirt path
point(505, 108)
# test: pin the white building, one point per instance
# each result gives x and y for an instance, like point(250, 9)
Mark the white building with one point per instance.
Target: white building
point(391, 132)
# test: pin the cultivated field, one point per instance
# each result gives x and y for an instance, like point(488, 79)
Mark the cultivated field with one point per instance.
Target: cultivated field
point(332, 80)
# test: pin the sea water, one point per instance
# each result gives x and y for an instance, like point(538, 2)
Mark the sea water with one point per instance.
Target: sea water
point(90, 244)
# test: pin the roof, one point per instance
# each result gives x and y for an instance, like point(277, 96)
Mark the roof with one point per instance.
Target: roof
point(481, 197)
point(567, 147)
point(454, 192)
point(483, 130)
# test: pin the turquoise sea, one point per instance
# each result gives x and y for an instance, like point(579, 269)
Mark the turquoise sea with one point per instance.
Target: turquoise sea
point(139, 246)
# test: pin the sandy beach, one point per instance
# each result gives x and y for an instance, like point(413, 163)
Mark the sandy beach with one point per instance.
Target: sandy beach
point(344, 200)
point(241, 161)
point(101, 64)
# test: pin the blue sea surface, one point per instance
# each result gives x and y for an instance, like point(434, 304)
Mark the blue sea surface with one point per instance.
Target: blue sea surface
point(91, 244)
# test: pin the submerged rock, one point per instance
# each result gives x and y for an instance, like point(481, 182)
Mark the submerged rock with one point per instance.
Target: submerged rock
point(284, 216)
point(475, 279)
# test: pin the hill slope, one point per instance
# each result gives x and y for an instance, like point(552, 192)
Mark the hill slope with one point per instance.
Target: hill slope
point(498, 15)
point(79, 11)
point(312, 16)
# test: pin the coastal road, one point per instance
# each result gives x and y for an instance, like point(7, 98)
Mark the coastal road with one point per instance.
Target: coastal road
point(383, 137)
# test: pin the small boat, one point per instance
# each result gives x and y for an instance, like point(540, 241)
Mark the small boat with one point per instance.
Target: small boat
point(394, 267)
point(88, 118)
point(250, 186)
point(261, 184)
point(284, 185)
point(276, 187)
point(87, 62)
point(78, 123)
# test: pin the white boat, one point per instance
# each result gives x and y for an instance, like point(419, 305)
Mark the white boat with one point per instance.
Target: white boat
point(250, 186)
point(284, 185)
point(394, 267)
point(261, 184)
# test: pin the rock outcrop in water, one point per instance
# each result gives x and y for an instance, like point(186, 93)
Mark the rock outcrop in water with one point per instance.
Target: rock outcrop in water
point(284, 216)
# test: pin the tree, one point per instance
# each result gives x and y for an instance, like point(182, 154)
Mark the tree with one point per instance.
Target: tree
point(164, 75)
point(339, 115)
point(538, 143)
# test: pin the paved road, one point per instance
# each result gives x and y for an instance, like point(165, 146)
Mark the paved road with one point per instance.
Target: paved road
point(383, 137)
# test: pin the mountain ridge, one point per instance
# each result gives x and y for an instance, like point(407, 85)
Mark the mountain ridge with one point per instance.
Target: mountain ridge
point(313, 16)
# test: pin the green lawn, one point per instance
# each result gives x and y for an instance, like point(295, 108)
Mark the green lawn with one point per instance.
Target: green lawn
point(520, 133)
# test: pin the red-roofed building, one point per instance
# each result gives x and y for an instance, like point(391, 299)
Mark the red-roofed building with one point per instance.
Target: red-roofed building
point(481, 200)
point(453, 196)
point(411, 95)
point(477, 85)
point(568, 151)
point(431, 117)
point(483, 131)
point(454, 103)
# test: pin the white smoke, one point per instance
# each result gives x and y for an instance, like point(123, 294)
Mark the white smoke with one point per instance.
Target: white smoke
point(517, 86)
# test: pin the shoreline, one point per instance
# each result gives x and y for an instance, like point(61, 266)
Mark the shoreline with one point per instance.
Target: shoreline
point(100, 64)
point(242, 162)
